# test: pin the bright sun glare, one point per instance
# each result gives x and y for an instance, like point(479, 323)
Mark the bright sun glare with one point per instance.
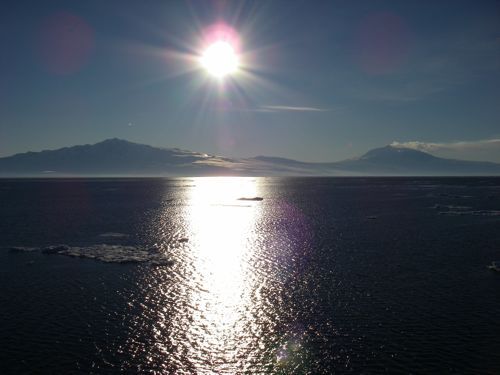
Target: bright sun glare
point(220, 59)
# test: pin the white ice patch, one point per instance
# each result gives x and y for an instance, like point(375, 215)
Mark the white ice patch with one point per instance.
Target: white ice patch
point(475, 212)
point(446, 209)
point(106, 253)
point(451, 207)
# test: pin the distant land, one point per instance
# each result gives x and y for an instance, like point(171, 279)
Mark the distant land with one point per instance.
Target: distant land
point(116, 157)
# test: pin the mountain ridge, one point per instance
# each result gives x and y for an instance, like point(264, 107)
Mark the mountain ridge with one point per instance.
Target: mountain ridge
point(118, 157)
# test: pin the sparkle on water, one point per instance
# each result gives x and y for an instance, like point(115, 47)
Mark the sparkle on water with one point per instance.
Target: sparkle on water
point(219, 284)
point(220, 59)
point(294, 284)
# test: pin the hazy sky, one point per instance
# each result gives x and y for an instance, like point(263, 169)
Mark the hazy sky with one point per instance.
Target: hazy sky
point(321, 80)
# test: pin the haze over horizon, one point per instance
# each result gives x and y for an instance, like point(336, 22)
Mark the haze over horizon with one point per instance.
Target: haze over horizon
point(317, 83)
point(117, 157)
point(434, 149)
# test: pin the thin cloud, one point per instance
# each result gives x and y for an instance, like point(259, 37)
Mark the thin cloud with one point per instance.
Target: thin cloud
point(287, 108)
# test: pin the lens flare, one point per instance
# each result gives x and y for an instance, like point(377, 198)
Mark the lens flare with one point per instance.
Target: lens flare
point(220, 59)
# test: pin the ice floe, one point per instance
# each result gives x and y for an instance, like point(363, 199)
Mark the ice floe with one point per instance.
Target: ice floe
point(455, 196)
point(113, 235)
point(106, 253)
point(471, 212)
point(495, 266)
point(451, 207)
point(256, 199)
point(445, 209)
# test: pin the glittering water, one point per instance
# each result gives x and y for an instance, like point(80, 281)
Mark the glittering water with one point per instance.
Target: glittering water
point(321, 276)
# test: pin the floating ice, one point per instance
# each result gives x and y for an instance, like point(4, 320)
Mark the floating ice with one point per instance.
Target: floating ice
point(475, 212)
point(113, 235)
point(451, 207)
point(232, 205)
point(495, 266)
point(445, 209)
point(106, 253)
point(455, 196)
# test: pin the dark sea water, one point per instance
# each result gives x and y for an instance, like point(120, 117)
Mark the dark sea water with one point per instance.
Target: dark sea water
point(324, 275)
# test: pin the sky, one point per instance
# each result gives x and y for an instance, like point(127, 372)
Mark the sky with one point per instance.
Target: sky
point(318, 81)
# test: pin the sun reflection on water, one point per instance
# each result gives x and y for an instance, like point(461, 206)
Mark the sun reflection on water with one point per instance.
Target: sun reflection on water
point(221, 306)
point(221, 234)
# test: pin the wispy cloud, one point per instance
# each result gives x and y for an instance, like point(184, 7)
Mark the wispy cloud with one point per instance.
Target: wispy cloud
point(485, 149)
point(287, 108)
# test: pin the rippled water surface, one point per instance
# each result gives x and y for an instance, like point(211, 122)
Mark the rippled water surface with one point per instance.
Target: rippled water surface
point(324, 275)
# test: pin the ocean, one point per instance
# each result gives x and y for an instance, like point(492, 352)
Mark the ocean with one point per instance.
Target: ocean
point(182, 276)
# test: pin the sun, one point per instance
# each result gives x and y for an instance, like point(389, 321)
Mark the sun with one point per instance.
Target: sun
point(220, 59)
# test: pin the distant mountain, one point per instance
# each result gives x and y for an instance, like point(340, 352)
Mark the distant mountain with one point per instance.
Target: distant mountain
point(110, 157)
point(116, 157)
point(391, 160)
